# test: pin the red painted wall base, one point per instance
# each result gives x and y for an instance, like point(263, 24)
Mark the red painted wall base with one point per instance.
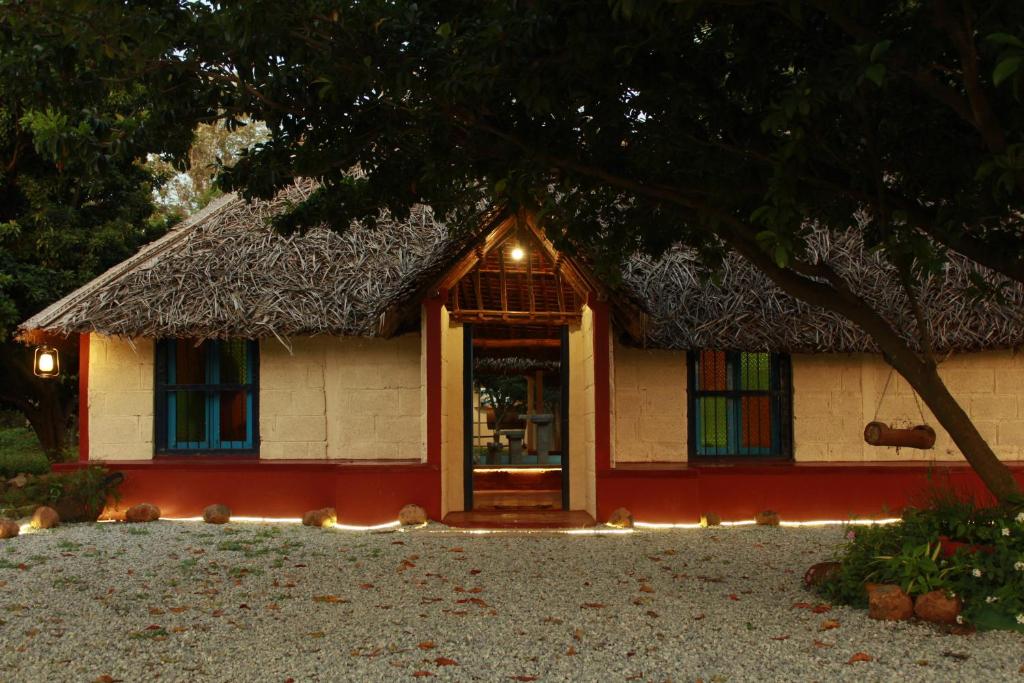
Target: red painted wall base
point(362, 494)
point(798, 492)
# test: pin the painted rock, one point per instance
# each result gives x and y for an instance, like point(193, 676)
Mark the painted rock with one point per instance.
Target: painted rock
point(937, 607)
point(888, 602)
point(217, 514)
point(412, 514)
point(320, 518)
point(621, 518)
point(143, 512)
point(710, 519)
point(9, 528)
point(767, 518)
point(44, 518)
point(817, 574)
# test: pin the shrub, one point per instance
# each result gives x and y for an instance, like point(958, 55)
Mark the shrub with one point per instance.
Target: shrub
point(77, 492)
point(986, 570)
point(20, 452)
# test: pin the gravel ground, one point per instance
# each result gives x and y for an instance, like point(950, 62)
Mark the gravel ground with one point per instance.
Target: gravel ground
point(247, 601)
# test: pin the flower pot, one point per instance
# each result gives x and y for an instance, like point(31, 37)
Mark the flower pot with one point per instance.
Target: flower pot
point(950, 546)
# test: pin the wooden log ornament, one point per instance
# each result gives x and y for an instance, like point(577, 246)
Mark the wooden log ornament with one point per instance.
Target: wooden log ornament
point(881, 434)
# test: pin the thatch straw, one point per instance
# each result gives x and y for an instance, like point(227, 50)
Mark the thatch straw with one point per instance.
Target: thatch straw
point(227, 273)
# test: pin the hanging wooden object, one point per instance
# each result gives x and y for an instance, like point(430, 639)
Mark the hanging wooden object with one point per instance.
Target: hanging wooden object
point(881, 434)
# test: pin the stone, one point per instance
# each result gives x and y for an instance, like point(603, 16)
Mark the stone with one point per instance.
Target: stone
point(767, 518)
point(819, 573)
point(217, 514)
point(710, 519)
point(412, 514)
point(44, 518)
point(143, 512)
point(937, 607)
point(18, 481)
point(621, 518)
point(9, 528)
point(320, 518)
point(888, 602)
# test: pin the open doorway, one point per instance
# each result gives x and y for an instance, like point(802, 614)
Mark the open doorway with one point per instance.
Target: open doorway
point(516, 409)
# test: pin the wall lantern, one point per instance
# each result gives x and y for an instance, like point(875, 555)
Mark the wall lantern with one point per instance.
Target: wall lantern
point(46, 362)
point(518, 253)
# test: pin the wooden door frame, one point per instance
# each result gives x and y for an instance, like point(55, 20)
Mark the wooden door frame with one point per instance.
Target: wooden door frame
point(468, 421)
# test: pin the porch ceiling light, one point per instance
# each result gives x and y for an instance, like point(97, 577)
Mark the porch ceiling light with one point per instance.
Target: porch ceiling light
point(518, 253)
point(46, 362)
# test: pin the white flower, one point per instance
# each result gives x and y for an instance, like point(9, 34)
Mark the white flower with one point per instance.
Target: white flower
point(976, 572)
point(1020, 618)
point(990, 599)
point(1020, 517)
point(1019, 566)
point(1006, 532)
point(959, 618)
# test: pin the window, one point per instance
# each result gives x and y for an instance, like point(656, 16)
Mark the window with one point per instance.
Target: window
point(739, 404)
point(206, 395)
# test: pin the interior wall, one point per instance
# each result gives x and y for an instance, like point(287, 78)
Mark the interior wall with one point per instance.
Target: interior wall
point(120, 398)
point(648, 405)
point(835, 395)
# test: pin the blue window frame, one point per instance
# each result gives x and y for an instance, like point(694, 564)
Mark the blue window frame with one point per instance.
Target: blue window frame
point(206, 396)
point(740, 404)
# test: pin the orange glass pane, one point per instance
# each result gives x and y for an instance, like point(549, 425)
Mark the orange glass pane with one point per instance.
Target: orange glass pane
point(712, 371)
point(757, 422)
point(232, 416)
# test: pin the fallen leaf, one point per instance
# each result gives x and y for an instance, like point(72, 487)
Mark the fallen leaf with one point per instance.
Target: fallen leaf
point(366, 586)
point(819, 644)
point(780, 637)
point(328, 598)
point(645, 588)
point(821, 609)
point(652, 613)
point(593, 605)
point(733, 596)
point(698, 617)
point(155, 611)
point(577, 634)
point(860, 657)
point(444, 661)
point(421, 674)
point(959, 656)
point(474, 572)
point(316, 634)
point(523, 678)
point(456, 550)
point(177, 610)
point(426, 645)
point(106, 678)
point(571, 652)
point(829, 624)
point(552, 620)
point(802, 605)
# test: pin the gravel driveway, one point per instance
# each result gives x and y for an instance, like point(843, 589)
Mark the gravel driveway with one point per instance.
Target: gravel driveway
point(273, 602)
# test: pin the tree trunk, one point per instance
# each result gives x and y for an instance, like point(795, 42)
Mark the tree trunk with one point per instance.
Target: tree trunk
point(48, 418)
point(992, 471)
point(47, 404)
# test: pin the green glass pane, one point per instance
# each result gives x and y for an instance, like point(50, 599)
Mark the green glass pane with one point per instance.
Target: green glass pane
point(755, 371)
point(233, 362)
point(714, 420)
point(190, 412)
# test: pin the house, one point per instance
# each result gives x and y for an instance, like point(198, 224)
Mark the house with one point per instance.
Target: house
point(227, 363)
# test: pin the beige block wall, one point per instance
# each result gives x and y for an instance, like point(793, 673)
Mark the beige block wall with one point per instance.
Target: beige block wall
point(452, 498)
point(342, 398)
point(120, 398)
point(648, 405)
point(582, 475)
point(835, 395)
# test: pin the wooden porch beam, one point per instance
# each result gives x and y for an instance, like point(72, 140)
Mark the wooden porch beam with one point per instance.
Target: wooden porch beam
point(516, 343)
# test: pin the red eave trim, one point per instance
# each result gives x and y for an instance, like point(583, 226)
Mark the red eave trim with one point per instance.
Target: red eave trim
point(432, 311)
point(83, 397)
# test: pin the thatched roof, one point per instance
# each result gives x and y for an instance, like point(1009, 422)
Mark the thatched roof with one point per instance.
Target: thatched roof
point(227, 273)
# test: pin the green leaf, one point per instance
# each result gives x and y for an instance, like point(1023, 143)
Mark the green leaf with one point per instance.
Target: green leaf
point(1005, 69)
point(1005, 39)
point(875, 73)
point(880, 48)
point(499, 187)
point(444, 30)
point(781, 255)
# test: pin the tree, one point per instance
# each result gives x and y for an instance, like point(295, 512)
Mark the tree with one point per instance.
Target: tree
point(731, 125)
point(84, 95)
